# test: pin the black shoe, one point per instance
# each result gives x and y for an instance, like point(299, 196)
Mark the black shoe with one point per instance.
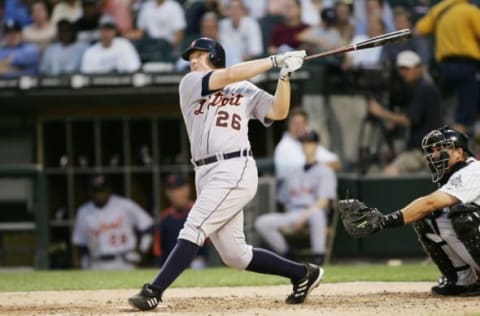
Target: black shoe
point(450, 289)
point(148, 298)
point(303, 287)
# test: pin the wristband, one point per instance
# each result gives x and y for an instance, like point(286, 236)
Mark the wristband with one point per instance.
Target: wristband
point(273, 58)
point(394, 219)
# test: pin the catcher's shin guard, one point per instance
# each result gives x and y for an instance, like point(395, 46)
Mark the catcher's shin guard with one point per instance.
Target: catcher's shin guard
point(466, 223)
point(434, 250)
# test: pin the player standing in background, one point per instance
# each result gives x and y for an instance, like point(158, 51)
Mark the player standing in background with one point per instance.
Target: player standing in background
point(446, 221)
point(306, 193)
point(216, 104)
point(106, 229)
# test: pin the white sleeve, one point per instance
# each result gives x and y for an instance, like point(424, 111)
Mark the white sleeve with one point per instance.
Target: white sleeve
point(130, 62)
point(88, 62)
point(80, 230)
point(328, 184)
point(178, 19)
point(190, 87)
point(464, 185)
point(280, 159)
point(262, 102)
point(325, 156)
point(142, 17)
point(255, 45)
point(139, 217)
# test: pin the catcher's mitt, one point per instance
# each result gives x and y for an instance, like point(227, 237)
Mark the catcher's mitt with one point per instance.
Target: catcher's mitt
point(360, 220)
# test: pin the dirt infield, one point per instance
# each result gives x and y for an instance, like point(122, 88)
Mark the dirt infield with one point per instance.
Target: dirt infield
point(363, 298)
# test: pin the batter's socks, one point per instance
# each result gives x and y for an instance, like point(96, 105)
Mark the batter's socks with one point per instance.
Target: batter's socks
point(178, 260)
point(267, 262)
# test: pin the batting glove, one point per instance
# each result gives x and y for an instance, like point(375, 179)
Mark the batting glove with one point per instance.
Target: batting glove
point(278, 61)
point(290, 65)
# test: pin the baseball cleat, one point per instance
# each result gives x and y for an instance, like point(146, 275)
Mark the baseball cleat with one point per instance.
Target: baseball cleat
point(303, 287)
point(449, 289)
point(148, 298)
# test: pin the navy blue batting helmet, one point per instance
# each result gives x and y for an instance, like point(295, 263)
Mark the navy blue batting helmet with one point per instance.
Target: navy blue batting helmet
point(216, 52)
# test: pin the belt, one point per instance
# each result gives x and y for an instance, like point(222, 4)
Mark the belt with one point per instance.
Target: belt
point(220, 156)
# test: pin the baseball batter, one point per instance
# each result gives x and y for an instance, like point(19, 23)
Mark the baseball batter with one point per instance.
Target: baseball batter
point(306, 193)
point(216, 104)
point(106, 229)
point(446, 221)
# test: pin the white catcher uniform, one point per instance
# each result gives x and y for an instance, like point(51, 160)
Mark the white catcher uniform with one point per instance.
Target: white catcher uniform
point(109, 232)
point(302, 189)
point(217, 126)
point(464, 184)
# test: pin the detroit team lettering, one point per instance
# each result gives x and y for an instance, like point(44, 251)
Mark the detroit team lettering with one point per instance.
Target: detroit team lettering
point(218, 99)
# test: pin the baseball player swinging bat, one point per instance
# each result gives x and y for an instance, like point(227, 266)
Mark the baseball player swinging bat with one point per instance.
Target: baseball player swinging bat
point(371, 42)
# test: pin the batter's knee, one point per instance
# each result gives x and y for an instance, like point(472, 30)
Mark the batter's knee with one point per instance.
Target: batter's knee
point(192, 233)
point(236, 257)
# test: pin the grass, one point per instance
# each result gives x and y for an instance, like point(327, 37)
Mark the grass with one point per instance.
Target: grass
point(12, 281)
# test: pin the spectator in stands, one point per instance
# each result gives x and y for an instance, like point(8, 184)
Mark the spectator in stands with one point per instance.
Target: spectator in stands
point(64, 56)
point(325, 36)
point(2, 6)
point(367, 58)
point(42, 31)
point(172, 219)
point(87, 25)
point(344, 25)
point(366, 9)
point(18, 10)
point(254, 8)
point(311, 10)
point(111, 54)
point(106, 229)
point(17, 57)
point(288, 153)
point(194, 13)
point(285, 35)
point(240, 33)
point(423, 114)
point(160, 20)
point(306, 193)
point(456, 26)
point(70, 10)
point(119, 10)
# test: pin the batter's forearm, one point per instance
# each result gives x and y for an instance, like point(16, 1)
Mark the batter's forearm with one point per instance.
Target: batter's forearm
point(239, 72)
point(281, 101)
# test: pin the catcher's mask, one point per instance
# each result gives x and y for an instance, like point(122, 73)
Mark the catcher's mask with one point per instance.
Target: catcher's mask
point(216, 52)
point(441, 140)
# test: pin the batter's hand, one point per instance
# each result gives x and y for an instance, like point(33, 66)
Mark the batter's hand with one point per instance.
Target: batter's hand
point(278, 61)
point(290, 65)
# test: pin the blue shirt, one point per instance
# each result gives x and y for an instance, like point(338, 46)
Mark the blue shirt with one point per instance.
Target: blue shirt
point(60, 59)
point(25, 57)
point(18, 11)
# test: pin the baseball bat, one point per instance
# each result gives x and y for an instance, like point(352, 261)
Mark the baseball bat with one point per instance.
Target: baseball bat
point(371, 42)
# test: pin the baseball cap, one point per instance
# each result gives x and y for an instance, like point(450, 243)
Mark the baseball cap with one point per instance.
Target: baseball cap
point(99, 182)
point(107, 21)
point(174, 181)
point(408, 59)
point(11, 26)
point(310, 136)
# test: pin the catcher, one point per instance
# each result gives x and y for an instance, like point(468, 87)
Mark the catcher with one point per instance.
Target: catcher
point(446, 221)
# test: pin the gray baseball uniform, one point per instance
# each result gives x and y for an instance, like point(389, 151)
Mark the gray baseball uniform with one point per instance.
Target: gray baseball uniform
point(217, 127)
point(303, 188)
point(464, 185)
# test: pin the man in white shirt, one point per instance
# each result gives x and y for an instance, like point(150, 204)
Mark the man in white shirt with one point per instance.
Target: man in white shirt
point(161, 19)
point(111, 54)
point(289, 155)
point(240, 32)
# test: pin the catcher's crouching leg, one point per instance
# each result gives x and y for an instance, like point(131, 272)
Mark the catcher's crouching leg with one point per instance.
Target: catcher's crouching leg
point(433, 248)
point(466, 223)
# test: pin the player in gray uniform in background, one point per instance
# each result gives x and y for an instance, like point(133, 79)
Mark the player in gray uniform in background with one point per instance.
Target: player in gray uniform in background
point(446, 221)
point(216, 104)
point(306, 193)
